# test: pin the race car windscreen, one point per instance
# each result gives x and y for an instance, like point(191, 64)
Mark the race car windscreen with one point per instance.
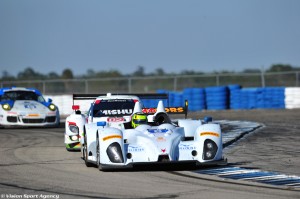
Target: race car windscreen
point(21, 95)
point(114, 107)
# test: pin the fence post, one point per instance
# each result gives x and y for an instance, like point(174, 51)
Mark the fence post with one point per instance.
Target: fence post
point(86, 87)
point(129, 85)
point(175, 83)
point(217, 80)
point(263, 84)
point(44, 87)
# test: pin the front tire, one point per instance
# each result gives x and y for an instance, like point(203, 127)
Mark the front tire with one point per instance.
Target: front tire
point(85, 153)
point(98, 154)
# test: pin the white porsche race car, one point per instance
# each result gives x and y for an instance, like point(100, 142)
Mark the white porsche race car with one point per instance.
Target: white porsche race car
point(26, 107)
point(112, 143)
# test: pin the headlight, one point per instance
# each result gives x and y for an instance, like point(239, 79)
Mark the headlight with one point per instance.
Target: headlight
point(114, 153)
point(74, 138)
point(209, 145)
point(210, 149)
point(6, 107)
point(52, 107)
point(74, 129)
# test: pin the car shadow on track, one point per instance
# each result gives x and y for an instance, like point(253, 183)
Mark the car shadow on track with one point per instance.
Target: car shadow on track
point(160, 167)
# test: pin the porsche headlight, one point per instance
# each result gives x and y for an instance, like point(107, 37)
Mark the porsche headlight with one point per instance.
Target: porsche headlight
point(74, 129)
point(6, 107)
point(52, 107)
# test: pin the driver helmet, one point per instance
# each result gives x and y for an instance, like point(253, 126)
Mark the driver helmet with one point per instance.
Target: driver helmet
point(137, 119)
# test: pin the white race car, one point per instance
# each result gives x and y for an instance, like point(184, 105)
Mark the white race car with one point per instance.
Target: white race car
point(26, 107)
point(112, 143)
point(89, 105)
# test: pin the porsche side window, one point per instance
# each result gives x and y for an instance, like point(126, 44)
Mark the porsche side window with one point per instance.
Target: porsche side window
point(41, 98)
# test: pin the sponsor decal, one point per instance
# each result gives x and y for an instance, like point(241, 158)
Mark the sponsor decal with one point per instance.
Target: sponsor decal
point(161, 139)
point(135, 149)
point(174, 110)
point(111, 137)
point(116, 100)
point(33, 115)
point(117, 112)
point(149, 110)
point(163, 150)
point(210, 133)
point(186, 147)
point(157, 130)
point(115, 119)
point(29, 105)
point(168, 110)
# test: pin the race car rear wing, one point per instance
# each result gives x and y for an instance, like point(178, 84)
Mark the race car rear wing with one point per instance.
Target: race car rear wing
point(140, 95)
point(170, 110)
point(160, 96)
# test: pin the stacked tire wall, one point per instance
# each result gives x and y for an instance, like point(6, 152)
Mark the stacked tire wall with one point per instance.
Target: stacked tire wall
point(211, 98)
point(257, 98)
point(195, 97)
point(235, 97)
point(216, 98)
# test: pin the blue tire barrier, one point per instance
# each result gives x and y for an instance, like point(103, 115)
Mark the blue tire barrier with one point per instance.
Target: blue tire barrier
point(216, 97)
point(257, 98)
point(233, 97)
point(196, 98)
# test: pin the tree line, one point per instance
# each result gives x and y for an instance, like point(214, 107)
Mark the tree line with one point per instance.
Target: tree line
point(29, 73)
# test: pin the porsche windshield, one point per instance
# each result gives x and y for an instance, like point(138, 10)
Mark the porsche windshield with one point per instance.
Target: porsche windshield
point(114, 107)
point(21, 95)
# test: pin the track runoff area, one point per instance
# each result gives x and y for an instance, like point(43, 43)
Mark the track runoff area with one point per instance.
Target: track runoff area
point(233, 131)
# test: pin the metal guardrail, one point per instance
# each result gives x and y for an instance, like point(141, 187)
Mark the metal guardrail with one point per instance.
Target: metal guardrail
point(150, 84)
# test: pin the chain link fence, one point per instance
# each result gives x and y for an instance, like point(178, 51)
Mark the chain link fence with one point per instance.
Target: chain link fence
point(150, 84)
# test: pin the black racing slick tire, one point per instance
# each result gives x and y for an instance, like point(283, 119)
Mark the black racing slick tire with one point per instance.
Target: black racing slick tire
point(99, 166)
point(98, 152)
point(85, 153)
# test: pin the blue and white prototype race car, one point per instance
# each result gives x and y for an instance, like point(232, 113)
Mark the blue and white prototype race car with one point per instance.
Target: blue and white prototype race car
point(26, 107)
point(112, 143)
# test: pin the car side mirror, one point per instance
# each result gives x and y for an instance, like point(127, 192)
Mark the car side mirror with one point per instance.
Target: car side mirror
point(49, 100)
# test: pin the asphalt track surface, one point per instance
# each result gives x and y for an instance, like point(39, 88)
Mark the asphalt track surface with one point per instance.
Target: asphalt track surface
point(35, 164)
